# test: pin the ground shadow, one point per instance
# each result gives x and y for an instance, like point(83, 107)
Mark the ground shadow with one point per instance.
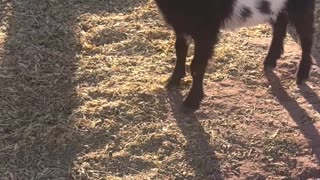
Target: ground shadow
point(309, 131)
point(37, 88)
point(298, 114)
point(198, 152)
point(308, 93)
point(316, 56)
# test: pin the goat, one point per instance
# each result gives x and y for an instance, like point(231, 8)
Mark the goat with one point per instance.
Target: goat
point(202, 20)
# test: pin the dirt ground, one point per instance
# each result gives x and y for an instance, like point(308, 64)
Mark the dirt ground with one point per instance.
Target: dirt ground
point(82, 97)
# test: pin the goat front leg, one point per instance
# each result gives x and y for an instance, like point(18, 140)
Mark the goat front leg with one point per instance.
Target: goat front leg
point(203, 52)
point(181, 46)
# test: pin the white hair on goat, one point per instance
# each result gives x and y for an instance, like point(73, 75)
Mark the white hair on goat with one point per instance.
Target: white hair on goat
point(253, 12)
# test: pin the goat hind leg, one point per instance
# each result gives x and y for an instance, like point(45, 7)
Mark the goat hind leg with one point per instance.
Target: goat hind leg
point(276, 49)
point(305, 33)
point(181, 46)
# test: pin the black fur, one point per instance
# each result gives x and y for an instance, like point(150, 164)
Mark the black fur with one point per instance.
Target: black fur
point(245, 12)
point(203, 19)
point(264, 7)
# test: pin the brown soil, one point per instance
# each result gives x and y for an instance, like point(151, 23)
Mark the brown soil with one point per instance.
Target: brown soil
point(82, 97)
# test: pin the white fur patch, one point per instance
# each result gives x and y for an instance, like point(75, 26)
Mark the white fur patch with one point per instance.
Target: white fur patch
point(257, 17)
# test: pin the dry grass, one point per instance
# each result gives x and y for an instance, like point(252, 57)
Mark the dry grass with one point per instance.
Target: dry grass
point(82, 97)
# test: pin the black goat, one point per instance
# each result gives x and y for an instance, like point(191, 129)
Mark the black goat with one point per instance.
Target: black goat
point(203, 19)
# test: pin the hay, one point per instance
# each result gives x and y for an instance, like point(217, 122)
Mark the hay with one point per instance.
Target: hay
point(82, 97)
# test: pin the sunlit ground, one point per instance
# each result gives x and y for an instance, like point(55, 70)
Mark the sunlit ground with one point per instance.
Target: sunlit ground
point(82, 96)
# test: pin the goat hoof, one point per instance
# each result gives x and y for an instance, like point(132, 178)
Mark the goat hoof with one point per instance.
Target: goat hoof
point(190, 105)
point(301, 80)
point(187, 110)
point(269, 67)
point(172, 85)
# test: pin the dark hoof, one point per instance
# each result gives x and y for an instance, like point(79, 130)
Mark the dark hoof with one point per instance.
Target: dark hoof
point(187, 110)
point(301, 81)
point(269, 67)
point(172, 84)
point(302, 77)
point(191, 104)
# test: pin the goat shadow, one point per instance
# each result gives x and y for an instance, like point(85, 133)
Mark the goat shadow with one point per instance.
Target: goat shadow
point(306, 91)
point(198, 152)
point(296, 112)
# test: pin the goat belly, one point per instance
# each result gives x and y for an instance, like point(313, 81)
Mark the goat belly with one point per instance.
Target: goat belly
point(254, 12)
point(228, 14)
